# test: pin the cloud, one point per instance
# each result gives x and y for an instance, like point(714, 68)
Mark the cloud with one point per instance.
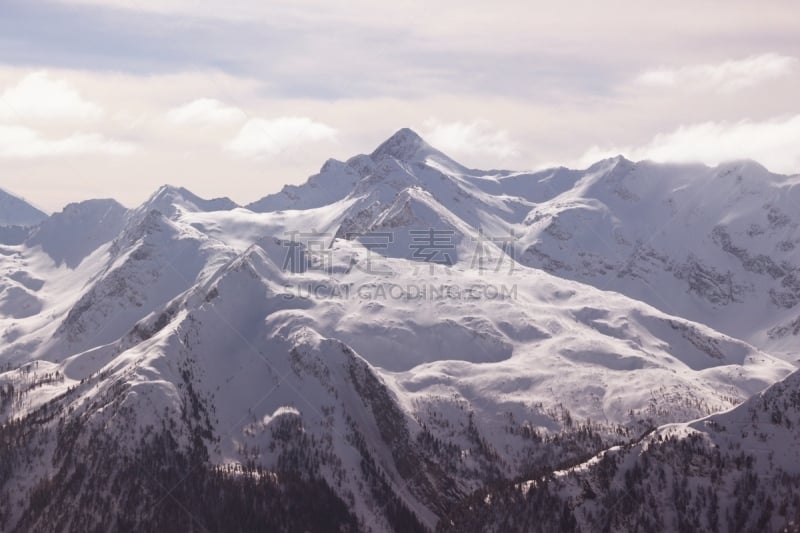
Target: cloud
point(470, 138)
point(317, 50)
point(19, 142)
point(728, 76)
point(261, 137)
point(38, 96)
point(205, 111)
point(773, 143)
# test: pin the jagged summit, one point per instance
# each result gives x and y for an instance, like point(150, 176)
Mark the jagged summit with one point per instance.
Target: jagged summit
point(362, 174)
point(169, 198)
point(610, 163)
point(404, 145)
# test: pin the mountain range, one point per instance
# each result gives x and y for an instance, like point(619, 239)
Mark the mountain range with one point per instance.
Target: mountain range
point(404, 343)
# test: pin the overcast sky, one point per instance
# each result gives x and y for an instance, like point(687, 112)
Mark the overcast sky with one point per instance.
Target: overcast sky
point(112, 98)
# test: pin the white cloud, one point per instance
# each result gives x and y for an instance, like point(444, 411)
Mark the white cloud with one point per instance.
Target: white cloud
point(261, 137)
point(471, 138)
point(19, 142)
point(728, 76)
point(38, 96)
point(205, 111)
point(773, 143)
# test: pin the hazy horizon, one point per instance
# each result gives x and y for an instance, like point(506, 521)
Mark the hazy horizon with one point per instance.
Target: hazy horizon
point(112, 98)
point(259, 195)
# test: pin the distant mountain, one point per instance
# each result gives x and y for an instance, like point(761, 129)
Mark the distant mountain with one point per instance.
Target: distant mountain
point(72, 234)
point(396, 339)
point(169, 200)
point(15, 211)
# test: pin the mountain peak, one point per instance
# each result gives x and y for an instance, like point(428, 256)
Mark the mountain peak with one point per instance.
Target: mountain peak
point(97, 222)
point(169, 198)
point(403, 145)
point(610, 163)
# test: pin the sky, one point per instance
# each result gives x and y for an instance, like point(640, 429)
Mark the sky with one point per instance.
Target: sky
point(113, 98)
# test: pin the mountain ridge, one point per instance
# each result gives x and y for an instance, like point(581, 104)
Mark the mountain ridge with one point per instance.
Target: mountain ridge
point(15, 211)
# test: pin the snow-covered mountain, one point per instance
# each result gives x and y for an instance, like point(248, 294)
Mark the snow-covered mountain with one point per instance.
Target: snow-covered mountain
point(719, 245)
point(393, 336)
point(708, 244)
